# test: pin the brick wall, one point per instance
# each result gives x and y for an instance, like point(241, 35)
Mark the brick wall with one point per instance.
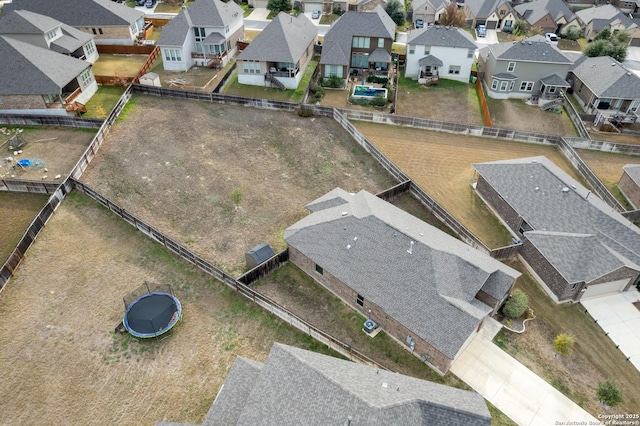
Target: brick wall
point(619, 274)
point(548, 274)
point(233, 38)
point(489, 300)
point(630, 189)
point(432, 356)
point(22, 102)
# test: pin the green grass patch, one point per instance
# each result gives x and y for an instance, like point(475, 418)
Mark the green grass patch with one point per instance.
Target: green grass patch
point(101, 104)
point(298, 94)
point(130, 106)
point(328, 19)
point(234, 88)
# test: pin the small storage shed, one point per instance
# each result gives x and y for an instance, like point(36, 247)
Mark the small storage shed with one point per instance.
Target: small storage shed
point(258, 255)
point(150, 79)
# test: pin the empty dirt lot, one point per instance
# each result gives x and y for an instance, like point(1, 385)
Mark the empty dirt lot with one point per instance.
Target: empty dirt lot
point(177, 163)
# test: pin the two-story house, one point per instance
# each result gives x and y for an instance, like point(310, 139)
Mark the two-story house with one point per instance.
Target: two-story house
point(428, 11)
point(553, 16)
point(49, 33)
point(494, 14)
point(109, 22)
point(531, 68)
point(357, 42)
point(440, 52)
point(203, 34)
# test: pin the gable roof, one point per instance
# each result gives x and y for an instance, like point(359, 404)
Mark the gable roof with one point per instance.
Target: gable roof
point(80, 13)
point(420, 276)
point(284, 39)
point(633, 171)
point(576, 231)
point(481, 9)
point(435, 4)
point(295, 384)
point(532, 49)
point(605, 14)
point(619, 84)
point(441, 36)
point(535, 10)
point(337, 41)
point(33, 70)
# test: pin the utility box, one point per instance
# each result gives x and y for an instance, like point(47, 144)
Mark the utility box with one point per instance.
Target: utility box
point(257, 255)
point(150, 79)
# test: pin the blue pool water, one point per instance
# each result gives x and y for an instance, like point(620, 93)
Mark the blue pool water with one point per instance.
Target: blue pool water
point(368, 92)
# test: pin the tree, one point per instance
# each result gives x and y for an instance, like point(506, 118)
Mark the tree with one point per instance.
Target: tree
point(520, 28)
point(607, 44)
point(277, 6)
point(452, 16)
point(563, 344)
point(516, 305)
point(571, 33)
point(396, 12)
point(609, 393)
point(535, 30)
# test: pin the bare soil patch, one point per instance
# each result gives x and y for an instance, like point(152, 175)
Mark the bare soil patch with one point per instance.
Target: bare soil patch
point(516, 114)
point(118, 65)
point(195, 78)
point(441, 164)
point(62, 362)
point(17, 211)
point(176, 163)
point(59, 148)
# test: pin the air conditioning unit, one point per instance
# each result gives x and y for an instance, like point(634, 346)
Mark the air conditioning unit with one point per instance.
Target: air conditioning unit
point(369, 326)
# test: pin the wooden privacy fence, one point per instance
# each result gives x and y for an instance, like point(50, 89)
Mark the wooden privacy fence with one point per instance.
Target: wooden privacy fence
point(32, 186)
point(122, 49)
point(393, 192)
point(50, 120)
point(264, 268)
point(110, 80)
point(148, 64)
point(483, 103)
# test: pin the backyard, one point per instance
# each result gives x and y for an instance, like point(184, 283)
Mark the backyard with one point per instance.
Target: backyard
point(179, 175)
point(101, 104)
point(441, 164)
point(516, 114)
point(118, 65)
point(196, 78)
point(17, 210)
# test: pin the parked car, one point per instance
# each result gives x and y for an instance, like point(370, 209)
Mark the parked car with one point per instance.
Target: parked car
point(551, 38)
point(140, 2)
point(149, 4)
point(481, 31)
point(419, 23)
point(315, 14)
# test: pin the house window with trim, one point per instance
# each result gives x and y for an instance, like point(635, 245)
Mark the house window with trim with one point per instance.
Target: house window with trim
point(93, 30)
point(494, 84)
point(470, 53)
point(503, 86)
point(49, 99)
point(427, 50)
point(331, 70)
point(200, 34)
point(319, 269)
point(100, 31)
point(359, 60)
point(454, 69)
point(86, 78)
point(551, 89)
point(361, 42)
point(360, 300)
point(381, 42)
point(524, 226)
point(634, 106)
point(251, 67)
point(89, 48)
point(172, 55)
point(134, 28)
point(226, 29)
point(526, 86)
point(51, 34)
point(511, 67)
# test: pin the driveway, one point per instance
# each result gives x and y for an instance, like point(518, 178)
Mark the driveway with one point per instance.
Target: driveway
point(258, 14)
point(521, 395)
point(633, 59)
point(620, 319)
point(490, 38)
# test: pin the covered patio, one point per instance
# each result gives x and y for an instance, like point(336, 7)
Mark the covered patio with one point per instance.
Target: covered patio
point(379, 62)
point(429, 70)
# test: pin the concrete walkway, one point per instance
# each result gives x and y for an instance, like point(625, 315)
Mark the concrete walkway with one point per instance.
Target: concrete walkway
point(617, 316)
point(258, 14)
point(521, 395)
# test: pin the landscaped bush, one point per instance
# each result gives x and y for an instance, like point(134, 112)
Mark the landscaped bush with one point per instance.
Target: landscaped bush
point(572, 34)
point(516, 305)
point(315, 94)
point(334, 81)
point(609, 393)
point(377, 101)
point(337, 11)
point(377, 79)
point(563, 344)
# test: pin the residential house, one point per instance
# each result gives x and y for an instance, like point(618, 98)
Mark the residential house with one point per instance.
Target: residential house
point(595, 19)
point(428, 10)
point(629, 184)
point(37, 80)
point(204, 34)
point(553, 16)
point(357, 42)
point(531, 68)
point(295, 386)
point(447, 52)
point(365, 5)
point(46, 32)
point(614, 99)
point(577, 245)
point(280, 54)
point(426, 289)
point(494, 14)
point(625, 6)
point(109, 22)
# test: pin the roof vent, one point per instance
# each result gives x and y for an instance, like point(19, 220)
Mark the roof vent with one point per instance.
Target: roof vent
point(574, 187)
point(348, 246)
point(345, 213)
point(410, 251)
point(565, 189)
point(536, 188)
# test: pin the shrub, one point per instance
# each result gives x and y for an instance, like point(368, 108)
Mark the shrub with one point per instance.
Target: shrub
point(305, 112)
point(315, 93)
point(236, 196)
point(333, 81)
point(516, 305)
point(572, 34)
point(520, 28)
point(337, 11)
point(379, 100)
point(277, 6)
point(563, 344)
point(377, 79)
point(609, 393)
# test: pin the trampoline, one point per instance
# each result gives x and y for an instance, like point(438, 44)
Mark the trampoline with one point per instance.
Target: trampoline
point(151, 314)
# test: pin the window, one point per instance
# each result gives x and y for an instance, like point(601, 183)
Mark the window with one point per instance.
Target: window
point(502, 13)
point(380, 42)
point(454, 69)
point(551, 89)
point(524, 226)
point(360, 300)
point(330, 70)
point(503, 86)
point(51, 34)
point(226, 29)
point(511, 67)
point(172, 55)
point(494, 84)
point(359, 60)
point(251, 67)
point(513, 83)
point(134, 28)
point(427, 50)
point(93, 30)
point(470, 53)
point(412, 49)
point(526, 86)
point(319, 269)
point(361, 42)
point(100, 31)
point(573, 286)
point(89, 48)
point(49, 99)
point(86, 78)
point(603, 103)
point(634, 106)
point(199, 33)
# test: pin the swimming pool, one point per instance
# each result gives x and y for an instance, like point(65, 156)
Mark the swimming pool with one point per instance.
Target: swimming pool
point(368, 92)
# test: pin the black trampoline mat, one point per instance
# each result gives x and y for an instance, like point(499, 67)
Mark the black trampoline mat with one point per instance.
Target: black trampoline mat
point(151, 313)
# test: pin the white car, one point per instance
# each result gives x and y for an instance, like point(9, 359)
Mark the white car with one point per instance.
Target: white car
point(315, 14)
point(551, 38)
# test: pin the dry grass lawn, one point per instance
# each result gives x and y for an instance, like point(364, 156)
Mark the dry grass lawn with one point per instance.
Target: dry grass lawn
point(17, 211)
point(196, 78)
point(117, 65)
point(441, 164)
point(516, 114)
point(179, 174)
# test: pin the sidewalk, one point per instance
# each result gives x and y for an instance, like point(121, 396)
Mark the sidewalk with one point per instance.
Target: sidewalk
point(521, 395)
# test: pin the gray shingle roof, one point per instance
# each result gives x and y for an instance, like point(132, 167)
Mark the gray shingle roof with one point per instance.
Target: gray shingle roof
point(430, 60)
point(33, 70)
point(535, 10)
point(607, 13)
point(633, 170)
point(284, 39)
point(620, 82)
point(481, 9)
point(532, 49)
point(297, 387)
point(175, 32)
point(364, 244)
point(565, 222)
point(435, 4)
point(337, 41)
point(441, 36)
point(80, 13)
point(506, 76)
point(379, 55)
point(555, 80)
